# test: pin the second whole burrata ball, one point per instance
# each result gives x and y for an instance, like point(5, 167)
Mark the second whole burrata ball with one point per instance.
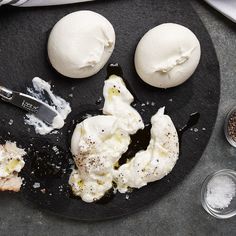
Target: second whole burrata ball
point(167, 55)
point(80, 44)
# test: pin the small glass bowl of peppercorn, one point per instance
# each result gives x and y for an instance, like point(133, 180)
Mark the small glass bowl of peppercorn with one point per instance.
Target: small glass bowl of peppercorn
point(230, 127)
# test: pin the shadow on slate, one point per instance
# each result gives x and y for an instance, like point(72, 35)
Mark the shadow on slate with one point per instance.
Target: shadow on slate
point(23, 39)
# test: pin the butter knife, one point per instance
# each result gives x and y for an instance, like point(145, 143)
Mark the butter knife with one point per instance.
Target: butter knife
point(30, 104)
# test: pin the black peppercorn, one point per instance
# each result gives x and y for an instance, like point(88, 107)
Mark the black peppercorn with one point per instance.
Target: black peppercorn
point(232, 126)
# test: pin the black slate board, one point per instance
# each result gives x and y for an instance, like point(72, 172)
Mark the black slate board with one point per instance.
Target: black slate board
point(23, 38)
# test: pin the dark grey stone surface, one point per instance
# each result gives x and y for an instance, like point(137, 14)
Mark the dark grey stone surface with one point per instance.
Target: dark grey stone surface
point(179, 212)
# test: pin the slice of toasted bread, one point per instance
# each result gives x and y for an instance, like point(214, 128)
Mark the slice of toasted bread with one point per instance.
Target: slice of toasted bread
point(11, 181)
point(10, 184)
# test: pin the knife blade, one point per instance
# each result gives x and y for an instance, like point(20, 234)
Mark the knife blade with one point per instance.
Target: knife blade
point(40, 109)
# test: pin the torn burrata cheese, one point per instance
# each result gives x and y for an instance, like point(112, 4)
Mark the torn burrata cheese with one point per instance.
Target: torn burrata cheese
point(61, 106)
point(155, 162)
point(118, 101)
point(98, 142)
point(11, 163)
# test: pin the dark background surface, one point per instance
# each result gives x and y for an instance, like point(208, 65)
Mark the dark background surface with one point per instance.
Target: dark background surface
point(179, 213)
point(27, 31)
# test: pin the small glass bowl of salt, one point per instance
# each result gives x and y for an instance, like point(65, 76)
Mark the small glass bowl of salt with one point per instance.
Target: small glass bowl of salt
point(218, 194)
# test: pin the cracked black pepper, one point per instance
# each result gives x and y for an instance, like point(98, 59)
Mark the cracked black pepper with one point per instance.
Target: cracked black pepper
point(232, 126)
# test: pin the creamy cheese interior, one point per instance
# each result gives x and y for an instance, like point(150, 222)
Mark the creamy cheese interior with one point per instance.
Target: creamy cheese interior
point(117, 103)
point(11, 160)
point(98, 142)
point(155, 162)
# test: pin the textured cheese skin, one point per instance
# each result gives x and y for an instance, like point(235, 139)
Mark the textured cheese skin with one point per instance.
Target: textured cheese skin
point(80, 44)
point(167, 55)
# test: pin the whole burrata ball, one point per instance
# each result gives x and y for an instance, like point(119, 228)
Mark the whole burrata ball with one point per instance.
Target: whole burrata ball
point(167, 55)
point(80, 44)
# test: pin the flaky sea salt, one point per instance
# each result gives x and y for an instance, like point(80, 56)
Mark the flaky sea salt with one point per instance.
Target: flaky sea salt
point(10, 122)
point(55, 149)
point(36, 185)
point(195, 130)
point(220, 192)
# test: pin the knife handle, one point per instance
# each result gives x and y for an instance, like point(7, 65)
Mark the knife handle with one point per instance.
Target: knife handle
point(12, 2)
point(5, 94)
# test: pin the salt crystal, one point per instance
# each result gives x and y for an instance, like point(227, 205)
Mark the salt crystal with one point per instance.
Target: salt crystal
point(220, 192)
point(36, 185)
point(10, 122)
point(99, 100)
point(55, 149)
point(195, 130)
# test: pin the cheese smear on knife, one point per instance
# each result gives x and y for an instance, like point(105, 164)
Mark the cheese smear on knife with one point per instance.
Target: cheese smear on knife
point(61, 106)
